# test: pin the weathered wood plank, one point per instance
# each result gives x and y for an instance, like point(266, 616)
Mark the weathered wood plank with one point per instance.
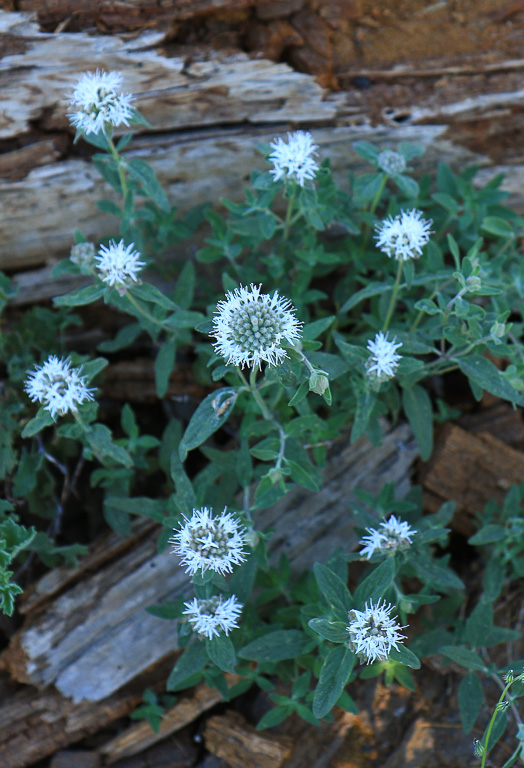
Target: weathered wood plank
point(100, 623)
point(211, 112)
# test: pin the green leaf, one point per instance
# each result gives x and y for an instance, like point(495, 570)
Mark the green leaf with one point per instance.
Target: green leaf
point(123, 338)
point(164, 363)
point(470, 700)
point(494, 225)
point(139, 505)
point(334, 675)
point(274, 717)
point(100, 440)
point(372, 289)
point(482, 373)
point(404, 656)
point(185, 318)
point(192, 661)
point(42, 419)
point(212, 412)
point(487, 535)
point(434, 575)
point(220, 651)
point(334, 631)
point(142, 172)
point(375, 585)
point(276, 646)
point(118, 520)
point(333, 589)
point(313, 330)
point(148, 292)
point(301, 476)
point(81, 297)
point(464, 657)
point(185, 286)
point(417, 406)
point(185, 495)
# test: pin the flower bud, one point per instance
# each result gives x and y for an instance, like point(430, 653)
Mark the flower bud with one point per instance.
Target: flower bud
point(498, 330)
point(318, 382)
point(473, 283)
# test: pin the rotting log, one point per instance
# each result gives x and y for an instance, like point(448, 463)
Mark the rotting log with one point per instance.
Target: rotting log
point(140, 736)
point(127, 14)
point(231, 738)
point(209, 112)
point(469, 469)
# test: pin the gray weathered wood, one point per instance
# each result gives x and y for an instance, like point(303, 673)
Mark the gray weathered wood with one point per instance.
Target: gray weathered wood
point(96, 636)
point(209, 114)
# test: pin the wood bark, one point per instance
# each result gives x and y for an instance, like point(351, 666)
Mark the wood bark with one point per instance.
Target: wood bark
point(469, 469)
point(242, 746)
point(88, 634)
point(127, 14)
point(209, 112)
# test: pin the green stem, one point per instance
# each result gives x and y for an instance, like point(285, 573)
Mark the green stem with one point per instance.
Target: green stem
point(268, 416)
point(143, 311)
point(393, 299)
point(492, 722)
point(431, 297)
point(374, 203)
point(288, 219)
point(120, 166)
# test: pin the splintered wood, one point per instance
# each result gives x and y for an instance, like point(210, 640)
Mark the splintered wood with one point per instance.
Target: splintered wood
point(470, 469)
point(242, 746)
point(210, 111)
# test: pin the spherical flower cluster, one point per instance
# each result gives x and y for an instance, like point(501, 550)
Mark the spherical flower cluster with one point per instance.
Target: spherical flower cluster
point(212, 543)
point(83, 254)
point(97, 101)
point(394, 534)
point(373, 633)
point(403, 237)
point(383, 361)
point(117, 264)
point(58, 386)
point(391, 162)
point(294, 160)
point(249, 327)
point(212, 617)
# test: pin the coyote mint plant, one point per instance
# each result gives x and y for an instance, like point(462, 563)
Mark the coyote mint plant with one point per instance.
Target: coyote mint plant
point(351, 275)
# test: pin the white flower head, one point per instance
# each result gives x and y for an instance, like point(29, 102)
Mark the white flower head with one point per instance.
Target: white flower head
point(117, 264)
point(294, 160)
point(212, 617)
point(97, 101)
point(373, 633)
point(383, 361)
point(393, 534)
point(83, 254)
point(391, 162)
point(212, 543)
point(249, 327)
point(58, 386)
point(403, 237)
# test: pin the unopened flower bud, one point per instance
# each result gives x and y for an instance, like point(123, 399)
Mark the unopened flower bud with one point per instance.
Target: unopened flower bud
point(274, 475)
point(498, 330)
point(391, 162)
point(473, 283)
point(83, 254)
point(318, 383)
